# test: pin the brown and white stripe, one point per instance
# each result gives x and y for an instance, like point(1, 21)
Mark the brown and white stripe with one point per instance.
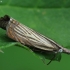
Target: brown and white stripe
point(28, 36)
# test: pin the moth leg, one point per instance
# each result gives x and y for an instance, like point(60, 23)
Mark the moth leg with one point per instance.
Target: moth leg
point(43, 59)
point(51, 59)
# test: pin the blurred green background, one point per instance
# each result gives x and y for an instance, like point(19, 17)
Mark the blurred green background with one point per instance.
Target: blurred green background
point(49, 17)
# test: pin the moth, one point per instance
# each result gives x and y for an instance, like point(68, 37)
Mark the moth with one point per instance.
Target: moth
point(27, 36)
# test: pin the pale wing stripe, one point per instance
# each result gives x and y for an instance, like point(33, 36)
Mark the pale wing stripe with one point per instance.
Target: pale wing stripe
point(32, 42)
point(20, 31)
point(22, 27)
point(40, 38)
point(53, 42)
point(23, 34)
point(46, 49)
point(26, 34)
point(29, 38)
point(32, 34)
point(54, 45)
point(28, 31)
point(44, 41)
point(21, 37)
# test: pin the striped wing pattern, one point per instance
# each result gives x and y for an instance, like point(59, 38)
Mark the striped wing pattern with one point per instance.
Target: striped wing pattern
point(27, 36)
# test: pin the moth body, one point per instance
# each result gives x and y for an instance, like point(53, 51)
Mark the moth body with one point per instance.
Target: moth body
point(27, 36)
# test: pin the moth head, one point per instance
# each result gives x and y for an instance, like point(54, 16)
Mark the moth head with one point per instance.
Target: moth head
point(60, 50)
point(4, 21)
point(6, 18)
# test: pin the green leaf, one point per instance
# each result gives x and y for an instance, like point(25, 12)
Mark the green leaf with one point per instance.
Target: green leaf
point(49, 17)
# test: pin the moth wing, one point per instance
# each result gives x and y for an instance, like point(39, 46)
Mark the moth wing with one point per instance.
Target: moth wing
point(27, 36)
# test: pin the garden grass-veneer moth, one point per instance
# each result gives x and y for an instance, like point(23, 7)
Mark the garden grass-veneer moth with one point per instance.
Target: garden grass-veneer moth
point(27, 36)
